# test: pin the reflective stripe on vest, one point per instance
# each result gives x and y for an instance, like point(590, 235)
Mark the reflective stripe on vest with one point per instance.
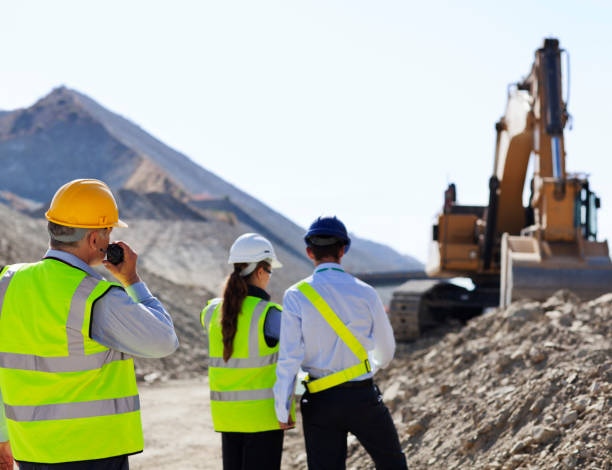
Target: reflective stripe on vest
point(85, 409)
point(66, 397)
point(345, 335)
point(208, 312)
point(241, 394)
point(5, 280)
point(243, 363)
point(59, 364)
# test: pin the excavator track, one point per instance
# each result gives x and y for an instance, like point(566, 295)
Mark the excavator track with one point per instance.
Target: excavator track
point(421, 305)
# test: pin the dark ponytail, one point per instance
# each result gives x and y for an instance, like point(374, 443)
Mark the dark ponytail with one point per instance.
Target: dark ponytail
point(233, 296)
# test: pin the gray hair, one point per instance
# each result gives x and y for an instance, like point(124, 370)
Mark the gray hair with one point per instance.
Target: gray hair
point(65, 234)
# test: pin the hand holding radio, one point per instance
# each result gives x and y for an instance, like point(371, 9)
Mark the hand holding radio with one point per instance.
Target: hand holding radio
point(121, 262)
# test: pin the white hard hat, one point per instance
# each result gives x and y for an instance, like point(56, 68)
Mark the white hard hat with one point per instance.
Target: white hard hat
point(252, 248)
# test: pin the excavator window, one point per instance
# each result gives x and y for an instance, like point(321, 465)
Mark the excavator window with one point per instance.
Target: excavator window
point(585, 215)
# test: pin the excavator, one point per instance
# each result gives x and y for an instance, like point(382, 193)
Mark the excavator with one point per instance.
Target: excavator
point(510, 250)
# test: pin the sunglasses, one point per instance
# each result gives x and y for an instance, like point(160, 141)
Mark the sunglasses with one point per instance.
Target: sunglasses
point(266, 269)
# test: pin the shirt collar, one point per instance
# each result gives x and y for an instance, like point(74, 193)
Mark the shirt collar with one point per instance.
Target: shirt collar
point(75, 261)
point(328, 267)
point(255, 291)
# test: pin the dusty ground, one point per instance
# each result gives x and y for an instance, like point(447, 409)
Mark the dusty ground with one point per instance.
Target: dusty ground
point(178, 429)
point(177, 426)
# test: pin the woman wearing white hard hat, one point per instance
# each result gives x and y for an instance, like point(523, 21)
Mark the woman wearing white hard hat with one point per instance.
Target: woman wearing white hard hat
point(243, 331)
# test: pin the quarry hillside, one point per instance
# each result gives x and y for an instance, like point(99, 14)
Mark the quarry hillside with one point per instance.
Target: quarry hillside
point(67, 135)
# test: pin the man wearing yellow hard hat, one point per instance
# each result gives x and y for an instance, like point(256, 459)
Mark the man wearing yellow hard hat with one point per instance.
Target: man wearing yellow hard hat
point(66, 340)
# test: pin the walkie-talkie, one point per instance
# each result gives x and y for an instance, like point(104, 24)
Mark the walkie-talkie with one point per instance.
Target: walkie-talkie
point(114, 253)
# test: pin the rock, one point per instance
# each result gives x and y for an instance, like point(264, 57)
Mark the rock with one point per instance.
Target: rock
point(605, 300)
point(152, 377)
point(519, 446)
point(548, 419)
point(538, 405)
point(544, 434)
point(553, 315)
point(517, 314)
point(415, 427)
point(569, 418)
point(536, 355)
point(513, 462)
point(580, 403)
point(391, 393)
point(503, 360)
point(572, 378)
point(567, 309)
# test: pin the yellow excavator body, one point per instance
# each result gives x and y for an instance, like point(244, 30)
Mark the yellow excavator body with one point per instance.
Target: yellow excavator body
point(509, 249)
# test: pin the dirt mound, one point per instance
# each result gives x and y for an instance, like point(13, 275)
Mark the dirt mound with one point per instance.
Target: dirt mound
point(527, 387)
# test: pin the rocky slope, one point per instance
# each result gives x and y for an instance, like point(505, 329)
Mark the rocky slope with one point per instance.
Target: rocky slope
point(67, 135)
point(529, 387)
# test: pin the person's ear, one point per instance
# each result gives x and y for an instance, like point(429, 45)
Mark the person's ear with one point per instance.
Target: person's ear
point(92, 239)
point(310, 253)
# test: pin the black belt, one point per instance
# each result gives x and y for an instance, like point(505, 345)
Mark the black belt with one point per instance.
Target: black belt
point(352, 384)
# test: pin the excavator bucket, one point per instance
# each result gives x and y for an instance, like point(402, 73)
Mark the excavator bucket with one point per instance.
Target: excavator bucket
point(536, 269)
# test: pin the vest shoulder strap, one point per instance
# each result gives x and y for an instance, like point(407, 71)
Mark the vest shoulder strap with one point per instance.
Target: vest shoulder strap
point(6, 275)
point(208, 311)
point(330, 317)
point(345, 335)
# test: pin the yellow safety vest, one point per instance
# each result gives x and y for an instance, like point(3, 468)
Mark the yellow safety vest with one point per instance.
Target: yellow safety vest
point(66, 397)
point(241, 395)
point(345, 335)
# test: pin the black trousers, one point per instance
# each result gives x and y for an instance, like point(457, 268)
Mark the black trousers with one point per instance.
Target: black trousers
point(328, 417)
point(111, 463)
point(252, 451)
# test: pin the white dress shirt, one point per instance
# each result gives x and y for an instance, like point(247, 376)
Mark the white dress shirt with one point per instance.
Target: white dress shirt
point(309, 342)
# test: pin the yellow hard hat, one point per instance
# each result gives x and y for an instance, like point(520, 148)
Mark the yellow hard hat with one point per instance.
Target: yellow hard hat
point(84, 203)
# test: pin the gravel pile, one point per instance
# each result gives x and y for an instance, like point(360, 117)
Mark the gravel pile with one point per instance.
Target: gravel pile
point(529, 387)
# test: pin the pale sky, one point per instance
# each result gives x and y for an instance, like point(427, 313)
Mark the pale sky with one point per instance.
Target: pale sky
point(364, 109)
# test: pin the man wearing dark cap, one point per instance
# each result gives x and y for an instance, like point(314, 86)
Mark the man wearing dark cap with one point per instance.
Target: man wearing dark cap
point(335, 328)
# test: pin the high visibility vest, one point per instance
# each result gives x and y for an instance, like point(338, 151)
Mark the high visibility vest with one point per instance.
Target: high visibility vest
point(241, 396)
point(66, 397)
point(337, 378)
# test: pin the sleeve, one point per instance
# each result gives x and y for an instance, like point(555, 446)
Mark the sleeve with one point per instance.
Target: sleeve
point(3, 426)
point(133, 322)
point(290, 356)
point(272, 326)
point(384, 341)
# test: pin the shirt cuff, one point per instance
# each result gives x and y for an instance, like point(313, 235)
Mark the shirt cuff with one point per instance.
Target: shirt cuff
point(138, 292)
point(282, 414)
